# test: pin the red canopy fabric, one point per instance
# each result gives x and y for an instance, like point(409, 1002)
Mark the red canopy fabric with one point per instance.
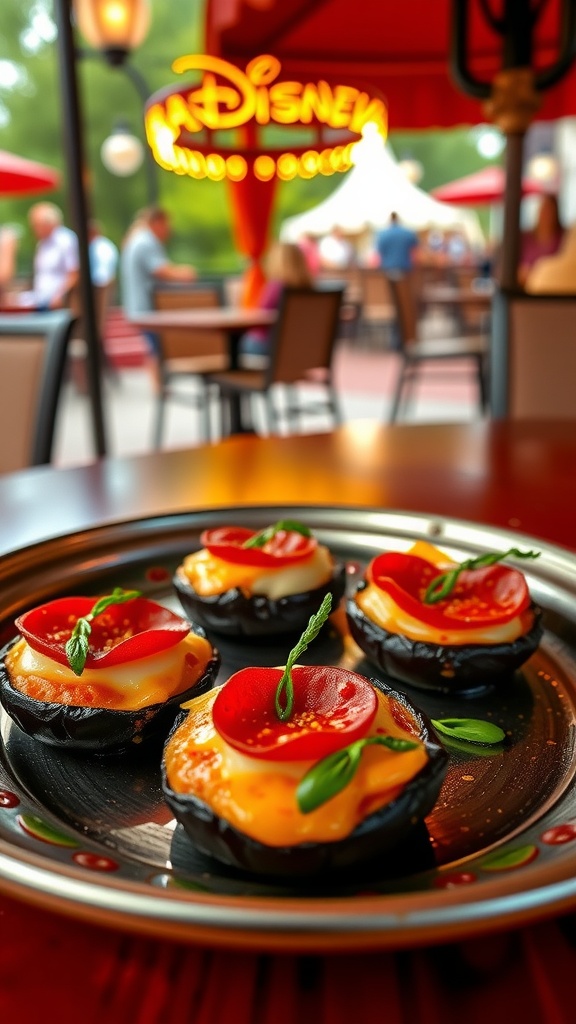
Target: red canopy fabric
point(402, 51)
point(19, 176)
point(481, 188)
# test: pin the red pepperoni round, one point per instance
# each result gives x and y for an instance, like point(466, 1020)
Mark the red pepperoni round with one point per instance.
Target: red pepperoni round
point(332, 708)
point(284, 548)
point(123, 632)
point(482, 597)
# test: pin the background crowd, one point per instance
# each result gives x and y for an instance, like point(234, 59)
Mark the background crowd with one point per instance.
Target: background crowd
point(129, 276)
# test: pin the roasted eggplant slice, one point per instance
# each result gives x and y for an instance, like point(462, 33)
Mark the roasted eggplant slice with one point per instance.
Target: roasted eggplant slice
point(92, 729)
point(464, 668)
point(234, 613)
point(378, 834)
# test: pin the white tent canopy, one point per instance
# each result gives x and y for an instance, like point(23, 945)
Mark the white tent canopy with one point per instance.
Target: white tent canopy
point(370, 192)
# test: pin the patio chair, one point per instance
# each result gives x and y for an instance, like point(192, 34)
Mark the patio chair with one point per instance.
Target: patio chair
point(33, 349)
point(377, 310)
point(188, 356)
point(417, 354)
point(301, 348)
point(533, 357)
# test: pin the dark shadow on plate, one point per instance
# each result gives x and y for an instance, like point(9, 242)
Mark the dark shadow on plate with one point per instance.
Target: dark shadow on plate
point(411, 857)
point(326, 649)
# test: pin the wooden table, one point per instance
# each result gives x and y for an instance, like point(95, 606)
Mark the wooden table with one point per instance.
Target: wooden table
point(514, 475)
point(233, 320)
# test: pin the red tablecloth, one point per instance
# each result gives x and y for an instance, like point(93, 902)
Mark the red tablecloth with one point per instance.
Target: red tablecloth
point(82, 973)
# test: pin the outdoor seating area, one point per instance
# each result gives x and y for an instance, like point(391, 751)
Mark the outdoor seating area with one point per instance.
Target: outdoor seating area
point(287, 512)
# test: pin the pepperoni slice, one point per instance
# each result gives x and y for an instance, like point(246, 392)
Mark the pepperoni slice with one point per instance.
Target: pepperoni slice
point(332, 708)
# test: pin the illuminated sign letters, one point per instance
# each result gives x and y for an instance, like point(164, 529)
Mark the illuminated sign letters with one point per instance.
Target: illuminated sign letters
point(180, 122)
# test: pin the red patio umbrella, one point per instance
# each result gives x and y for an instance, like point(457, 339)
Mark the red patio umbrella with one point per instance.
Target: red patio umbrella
point(19, 176)
point(504, 55)
point(402, 52)
point(483, 188)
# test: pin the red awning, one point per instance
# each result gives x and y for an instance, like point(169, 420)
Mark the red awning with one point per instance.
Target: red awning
point(19, 176)
point(401, 50)
point(482, 188)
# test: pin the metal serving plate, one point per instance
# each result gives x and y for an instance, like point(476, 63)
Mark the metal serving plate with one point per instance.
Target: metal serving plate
point(93, 838)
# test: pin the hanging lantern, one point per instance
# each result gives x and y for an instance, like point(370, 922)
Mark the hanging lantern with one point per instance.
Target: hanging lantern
point(115, 27)
point(122, 152)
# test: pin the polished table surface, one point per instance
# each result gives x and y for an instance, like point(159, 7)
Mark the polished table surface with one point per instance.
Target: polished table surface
point(453, 295)
point(516, 475)
point(225, 318)
point(519, 476)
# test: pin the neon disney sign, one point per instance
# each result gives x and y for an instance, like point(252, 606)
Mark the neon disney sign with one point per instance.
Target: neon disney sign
point(222, 127)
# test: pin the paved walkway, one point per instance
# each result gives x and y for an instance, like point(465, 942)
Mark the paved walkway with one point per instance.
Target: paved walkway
point(365, 380)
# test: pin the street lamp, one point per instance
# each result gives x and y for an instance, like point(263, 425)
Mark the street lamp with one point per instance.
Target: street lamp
point(122, 152)
point(121, 12)
point(115, 27)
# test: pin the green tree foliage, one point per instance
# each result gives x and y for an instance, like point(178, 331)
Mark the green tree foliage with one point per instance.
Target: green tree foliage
point(31, 125)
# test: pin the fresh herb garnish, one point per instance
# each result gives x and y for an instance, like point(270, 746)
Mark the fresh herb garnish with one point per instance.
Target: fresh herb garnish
point(286, 686)
point(443, 584)
point(78, 645)
point(333, 773)
point(472, 730)
point(262, 538)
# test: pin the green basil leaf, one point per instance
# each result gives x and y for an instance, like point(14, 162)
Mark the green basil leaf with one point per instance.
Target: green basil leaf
point(472, 730)
point(443, 584)
point(262, 538)
point(285, 685)
point(118, 596)
point(77, 649)
point(333, 773)
point(77, 646)
point(327, 778)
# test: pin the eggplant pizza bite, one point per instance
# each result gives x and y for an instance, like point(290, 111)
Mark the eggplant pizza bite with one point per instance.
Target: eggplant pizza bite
point(438, 624)
point(299, 770)
point(258, 584)
point(103, 675)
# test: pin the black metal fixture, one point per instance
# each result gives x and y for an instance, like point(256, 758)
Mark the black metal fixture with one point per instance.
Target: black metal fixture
point(113, 27)
point(121, 25)
point(513, 96)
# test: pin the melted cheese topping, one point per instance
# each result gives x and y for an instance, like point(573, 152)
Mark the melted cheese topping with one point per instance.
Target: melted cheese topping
point(210, 575)
point(258, 797)
point(380, 608)
point(134, 685)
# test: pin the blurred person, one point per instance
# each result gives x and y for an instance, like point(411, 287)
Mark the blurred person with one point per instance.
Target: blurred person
point(335, 250)
point(396, 245)
point(457, 247)
point(544, 239)
point(8, 250)
point(285, 267)
point(56, 269)
point(308, 243)
point(555, 274)
point(144, 263)
point(103, 255)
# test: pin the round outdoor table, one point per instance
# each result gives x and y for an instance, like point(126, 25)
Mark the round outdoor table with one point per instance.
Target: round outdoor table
point(518, 476)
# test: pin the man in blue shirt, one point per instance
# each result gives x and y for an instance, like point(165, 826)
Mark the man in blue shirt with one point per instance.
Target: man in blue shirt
point(395, 245)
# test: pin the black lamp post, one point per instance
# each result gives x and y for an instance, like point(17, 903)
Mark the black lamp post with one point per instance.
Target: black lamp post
point(114, 27)
point(513, 97)
point(74, 154)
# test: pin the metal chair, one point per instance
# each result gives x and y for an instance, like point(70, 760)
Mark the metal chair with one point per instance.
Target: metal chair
point(301, 347)
point(417, 354)
point(33, 350)
point(188, 356)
